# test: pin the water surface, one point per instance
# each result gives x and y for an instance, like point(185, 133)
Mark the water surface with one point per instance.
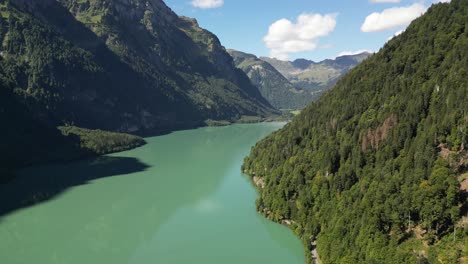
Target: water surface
point(179, 199)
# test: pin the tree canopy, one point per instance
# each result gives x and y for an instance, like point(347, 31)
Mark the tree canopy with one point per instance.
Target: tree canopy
point(371, 170)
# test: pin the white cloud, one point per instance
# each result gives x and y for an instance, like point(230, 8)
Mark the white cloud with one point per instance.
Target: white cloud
point(285, 37)
point(345, 53)
point(441, 1)
point(392, 17)
point(204, 4)
point(396, 34)
point(385, 1)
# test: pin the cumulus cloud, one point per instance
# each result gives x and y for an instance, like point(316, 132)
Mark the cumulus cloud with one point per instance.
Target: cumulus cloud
point(396, 34)
point(441, 1)
point(205, 4)
point(392, 17)
point(285, 37)
point(385, 1)
point(347, 52)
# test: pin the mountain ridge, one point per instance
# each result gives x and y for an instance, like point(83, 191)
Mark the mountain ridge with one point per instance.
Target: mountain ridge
point(271, 83)
point(292, 85)
point(316, 77)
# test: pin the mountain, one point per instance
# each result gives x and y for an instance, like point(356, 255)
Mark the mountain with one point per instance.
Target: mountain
point(129, 66)
point(375, 171)
point(136, 65)
point(316, 77)
point(294, 84)
point(272, 85)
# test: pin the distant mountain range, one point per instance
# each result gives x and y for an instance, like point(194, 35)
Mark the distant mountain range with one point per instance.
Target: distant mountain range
point(294, 84)
point(276, 88)
point(316, 77)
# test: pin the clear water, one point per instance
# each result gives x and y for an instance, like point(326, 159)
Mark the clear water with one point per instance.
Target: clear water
point(179, 199)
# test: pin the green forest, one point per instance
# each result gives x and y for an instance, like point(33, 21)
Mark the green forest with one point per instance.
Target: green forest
point(372, 170)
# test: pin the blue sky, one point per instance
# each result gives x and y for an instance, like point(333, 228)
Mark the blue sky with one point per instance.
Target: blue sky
point(326, 28)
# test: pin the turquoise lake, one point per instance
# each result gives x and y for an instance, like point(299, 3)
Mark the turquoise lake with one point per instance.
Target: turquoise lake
point(179, 199)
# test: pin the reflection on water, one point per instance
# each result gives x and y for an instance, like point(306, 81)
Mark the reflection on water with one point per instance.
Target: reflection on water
point(183, 200)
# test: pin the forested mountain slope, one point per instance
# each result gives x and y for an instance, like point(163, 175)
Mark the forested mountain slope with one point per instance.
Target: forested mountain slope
point(372, 170)
point(272, 85)
point(121, 65)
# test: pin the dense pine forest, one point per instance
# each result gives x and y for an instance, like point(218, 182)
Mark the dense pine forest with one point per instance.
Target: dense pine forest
point(372, 171)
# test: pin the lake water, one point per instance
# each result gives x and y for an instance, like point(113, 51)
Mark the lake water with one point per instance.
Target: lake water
point(179, 199)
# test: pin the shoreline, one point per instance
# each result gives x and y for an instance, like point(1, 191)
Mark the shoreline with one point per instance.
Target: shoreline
point(12, 171)
point(311, 252)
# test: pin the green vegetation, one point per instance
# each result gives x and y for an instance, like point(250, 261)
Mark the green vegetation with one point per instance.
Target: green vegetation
point(272, 85)
point(215, 123)
point(26, 140)
point(166, 75)
point(250, 119)
point(4, 10)
point(101, 142)
point(370, 170)
point(296, 112)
